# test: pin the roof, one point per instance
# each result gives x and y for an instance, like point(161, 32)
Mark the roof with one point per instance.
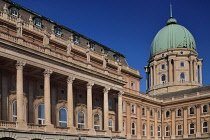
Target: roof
point(172, 36)
point(183, 92)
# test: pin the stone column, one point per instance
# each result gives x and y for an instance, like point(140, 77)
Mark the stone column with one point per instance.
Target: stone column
point(195, 72)
point(191, 71)
point(120, 128)
point(175, 64)
point(47, 107)
point(128, 120)
point(19, 90)
point(201, 74)
point(106, 108)
point(70, 100)
point(89, 105)
point(185, 128)
point(198, 120)
point(173, 124)
point(151, 76)
point(155, 75)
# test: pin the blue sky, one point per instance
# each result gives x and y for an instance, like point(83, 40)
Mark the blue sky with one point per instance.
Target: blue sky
point(129, 26)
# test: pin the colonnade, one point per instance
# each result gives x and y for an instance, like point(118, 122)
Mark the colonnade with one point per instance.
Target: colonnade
point(47, 109)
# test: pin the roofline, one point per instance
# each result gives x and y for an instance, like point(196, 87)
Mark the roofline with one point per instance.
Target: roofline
point(64, 27)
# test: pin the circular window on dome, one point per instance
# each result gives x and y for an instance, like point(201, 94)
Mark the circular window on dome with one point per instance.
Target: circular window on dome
point(162, 55)
point(181, 52)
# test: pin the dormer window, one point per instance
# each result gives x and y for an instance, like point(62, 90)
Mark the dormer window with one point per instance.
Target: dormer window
point(38, 22)
point(104, 51)
point(92, 46)
point(58, 31)
point(76, 39)
point(116, 57)
point(13, 11)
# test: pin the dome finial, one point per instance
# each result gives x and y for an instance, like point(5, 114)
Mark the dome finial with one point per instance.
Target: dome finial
point(171, 16)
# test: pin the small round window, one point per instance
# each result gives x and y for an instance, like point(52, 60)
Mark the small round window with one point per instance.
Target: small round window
point(181, 52)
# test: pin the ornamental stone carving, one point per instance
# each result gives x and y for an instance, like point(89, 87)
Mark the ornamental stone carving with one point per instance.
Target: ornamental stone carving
point(20, 65)
point(90, 84)
point(70, 79)
point(47, 72)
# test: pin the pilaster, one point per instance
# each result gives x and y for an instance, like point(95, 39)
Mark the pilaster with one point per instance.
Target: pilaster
point(106, 108)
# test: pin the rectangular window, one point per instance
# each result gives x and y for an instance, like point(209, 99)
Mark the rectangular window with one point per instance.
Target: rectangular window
point(205, 127)
point(179, 130)
point(159, 131)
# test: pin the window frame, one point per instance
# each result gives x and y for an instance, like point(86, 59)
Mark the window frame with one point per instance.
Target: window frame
point(14, 117)
point(151, 111)
point(144, 130)
point(66, 117)
point(12, 9)
point(182, 80)
point(179, 130)
point(193, 110)
point(159, 131)
point(40, 119)
point(133, 129)
point(143, 111)
point(158, 114)
point(161, 79)
point(36, 21)
point(169, 116)
point(132, 85)
point(81, 124)
point(182, 64)
point(95, 125)
point(110, 126)
point(162, 66)
point(124, 126)
point(177, 114)
point(133, 109)
point(167, 131)
point(206, 127)
point(152, 130)
point(206, 108)
point(192, 128)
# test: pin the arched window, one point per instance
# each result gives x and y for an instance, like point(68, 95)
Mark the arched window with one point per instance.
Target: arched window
point(96, 122)
point(81, 119)
point(144, 133)
point(179, 113)
point(152, 131)
point(143, 112)
point(38, 22)
point(179, 129)
point(205, 127)
point(151, 113)
point(158, 114)
point(192, 128)
point(14, 110)
point(62, 117)
point(124, 126)
point(159, 131)
point(133, 129)
point(167, 131)
point(167, 114)
point(192, 112)
point(110, 124)
point(163, 79)
point(13, 11)
point(205, 109)
point(41, 114)
point(133, 109)
point(182, 77)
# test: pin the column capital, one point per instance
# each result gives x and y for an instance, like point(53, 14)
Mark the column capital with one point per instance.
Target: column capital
point(197, 105)
point(120, 93)
point(20, 65)
point(70, 79)
point(172, 109)
point(90, 84)
point(106, 89)
point(48, 72)
point(128, 102)
point(185, 107)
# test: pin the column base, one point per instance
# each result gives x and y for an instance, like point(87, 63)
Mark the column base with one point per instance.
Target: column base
point(49, 128)
point(92, 131)
point(198, 134)
point(72, 130)
point(185, 136)
point(22, 125)
point(138, 136)
point(128, 136)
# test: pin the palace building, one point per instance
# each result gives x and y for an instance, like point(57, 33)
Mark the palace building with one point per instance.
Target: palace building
point(57, 84)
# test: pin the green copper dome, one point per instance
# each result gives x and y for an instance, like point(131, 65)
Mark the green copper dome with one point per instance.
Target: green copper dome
point(172, 36)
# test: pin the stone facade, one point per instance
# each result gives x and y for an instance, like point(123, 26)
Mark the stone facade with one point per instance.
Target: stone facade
point(58, 84)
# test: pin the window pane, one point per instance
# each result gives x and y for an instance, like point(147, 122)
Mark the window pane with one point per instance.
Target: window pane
point(96, 119)
point(41, 111)
point(63, 114)
point(63, 124)
point(81, 117)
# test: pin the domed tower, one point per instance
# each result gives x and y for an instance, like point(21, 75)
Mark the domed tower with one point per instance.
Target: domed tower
point(173, 63)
